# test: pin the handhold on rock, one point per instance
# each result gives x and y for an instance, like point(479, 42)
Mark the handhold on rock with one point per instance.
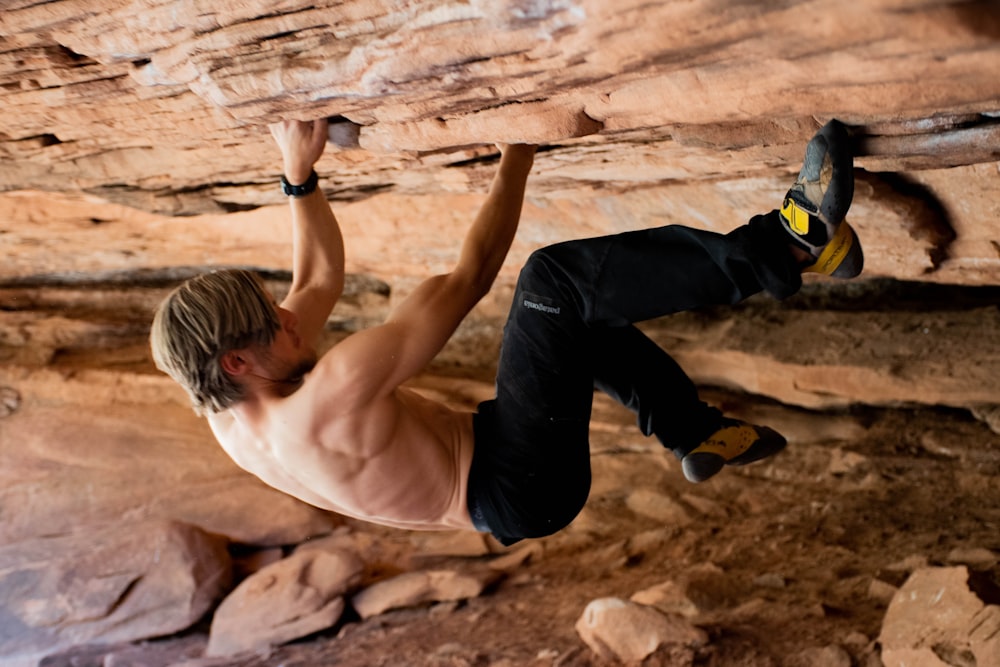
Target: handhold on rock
point(342, 132)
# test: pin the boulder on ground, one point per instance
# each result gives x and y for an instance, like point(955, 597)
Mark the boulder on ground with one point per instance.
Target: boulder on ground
point(116, 583)
point(938, 612)
point(616, 629)
point(292, 598)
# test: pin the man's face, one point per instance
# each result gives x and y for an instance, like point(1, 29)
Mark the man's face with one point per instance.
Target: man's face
point(287, 359)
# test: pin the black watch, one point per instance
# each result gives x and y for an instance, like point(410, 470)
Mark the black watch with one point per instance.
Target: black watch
point(300, 190)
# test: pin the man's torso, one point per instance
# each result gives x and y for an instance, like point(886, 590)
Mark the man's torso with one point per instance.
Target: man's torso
point(402, 460)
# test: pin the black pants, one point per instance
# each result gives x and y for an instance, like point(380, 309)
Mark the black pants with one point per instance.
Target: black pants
point(571, 329)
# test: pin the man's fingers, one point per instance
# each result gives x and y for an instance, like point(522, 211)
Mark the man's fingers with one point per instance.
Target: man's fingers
point(301, 143)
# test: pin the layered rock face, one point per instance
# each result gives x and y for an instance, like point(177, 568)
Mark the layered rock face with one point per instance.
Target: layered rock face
point(135, 153)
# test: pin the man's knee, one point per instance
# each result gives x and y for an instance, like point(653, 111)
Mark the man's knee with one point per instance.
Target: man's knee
point(540, 270)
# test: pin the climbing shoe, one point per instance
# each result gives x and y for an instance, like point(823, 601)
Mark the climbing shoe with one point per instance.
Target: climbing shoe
point(814, 209)
point(735, 443)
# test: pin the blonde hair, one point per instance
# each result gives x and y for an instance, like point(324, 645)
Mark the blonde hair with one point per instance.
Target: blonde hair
point(203, 319)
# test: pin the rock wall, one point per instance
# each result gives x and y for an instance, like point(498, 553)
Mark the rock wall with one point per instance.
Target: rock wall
point(133, 152)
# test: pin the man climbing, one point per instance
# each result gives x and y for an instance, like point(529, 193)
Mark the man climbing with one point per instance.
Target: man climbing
point(342, 433)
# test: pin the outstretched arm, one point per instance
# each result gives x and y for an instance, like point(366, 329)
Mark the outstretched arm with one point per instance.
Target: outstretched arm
point(317, 244)
point(376, 361)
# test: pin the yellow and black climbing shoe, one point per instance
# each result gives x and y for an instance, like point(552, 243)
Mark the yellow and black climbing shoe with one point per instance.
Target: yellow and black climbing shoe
point(735, 443)
point(814, 209)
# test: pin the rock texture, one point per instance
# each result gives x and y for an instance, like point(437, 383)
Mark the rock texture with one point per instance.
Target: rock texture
point(937, 616)
point(115, 583)
point(287, 600)
point(417, 588)
point(629, 632)
point(134, 152)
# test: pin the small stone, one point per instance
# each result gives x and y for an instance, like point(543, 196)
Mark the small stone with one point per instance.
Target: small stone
point(616, 629)
point(416, 588)
point(518, 556)
point(770, 580)
point(881, 591)
point(977, 558)
point(826, 656)
point(669, 598)
point(658, 506)
point(843, 461)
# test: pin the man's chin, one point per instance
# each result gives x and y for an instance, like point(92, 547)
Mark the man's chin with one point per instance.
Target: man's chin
point(302, 369)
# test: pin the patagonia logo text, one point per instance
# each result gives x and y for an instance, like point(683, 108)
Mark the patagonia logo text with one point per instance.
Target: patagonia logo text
point(554, 310)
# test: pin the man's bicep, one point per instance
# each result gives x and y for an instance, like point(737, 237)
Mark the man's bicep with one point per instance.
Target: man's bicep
point(372, 363)
point(383, 357)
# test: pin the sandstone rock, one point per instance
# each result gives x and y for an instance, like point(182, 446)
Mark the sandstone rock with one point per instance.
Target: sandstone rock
point(127, 451)
point(770, 580)
point(658, 506)
point(417, 588)
point(827, 656)
point(292, 598)
point(989, 414)
point(976, 558)
point(619, 630)
point(669, 598)
point(829, 374)
point(882, 591)
point(114, 583)
point(432, 545)
point(937, 613)
point(167, 653)
point(518, 556)
point(708, 586)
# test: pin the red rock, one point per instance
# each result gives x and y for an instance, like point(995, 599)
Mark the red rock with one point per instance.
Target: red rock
point(412, 589)
point(936, 612)
point(629, 632)
point(292, 598)
point(119, 582)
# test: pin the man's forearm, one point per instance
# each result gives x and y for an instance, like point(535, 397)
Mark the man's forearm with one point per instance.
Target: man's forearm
point(490, 237)
point(317, 245)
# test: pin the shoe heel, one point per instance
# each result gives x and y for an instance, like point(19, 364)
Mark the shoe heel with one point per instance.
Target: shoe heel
point(842, 257)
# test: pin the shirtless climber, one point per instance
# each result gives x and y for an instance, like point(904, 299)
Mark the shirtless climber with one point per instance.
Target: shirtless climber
point(341, 432)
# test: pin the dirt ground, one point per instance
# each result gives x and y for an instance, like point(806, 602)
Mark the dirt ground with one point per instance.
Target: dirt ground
point(781, 558)
point(799, 542)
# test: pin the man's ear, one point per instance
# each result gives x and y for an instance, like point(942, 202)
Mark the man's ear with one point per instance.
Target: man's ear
point(235, 363)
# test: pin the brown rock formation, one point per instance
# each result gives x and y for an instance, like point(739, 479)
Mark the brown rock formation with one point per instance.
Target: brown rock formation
point(133, 153)
point(292, 598)
point(938, 616)
point(109, 583)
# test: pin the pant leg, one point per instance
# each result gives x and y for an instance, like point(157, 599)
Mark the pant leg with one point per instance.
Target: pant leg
point(530, 472)
point(636, 276)
point(639, 374)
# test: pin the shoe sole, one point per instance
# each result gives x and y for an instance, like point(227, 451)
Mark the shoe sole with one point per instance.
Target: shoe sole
point(832, 140)
point(822, 195)
point(700, 466)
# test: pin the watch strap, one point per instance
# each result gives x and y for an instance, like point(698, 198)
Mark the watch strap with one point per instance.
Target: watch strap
point(300, 190)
